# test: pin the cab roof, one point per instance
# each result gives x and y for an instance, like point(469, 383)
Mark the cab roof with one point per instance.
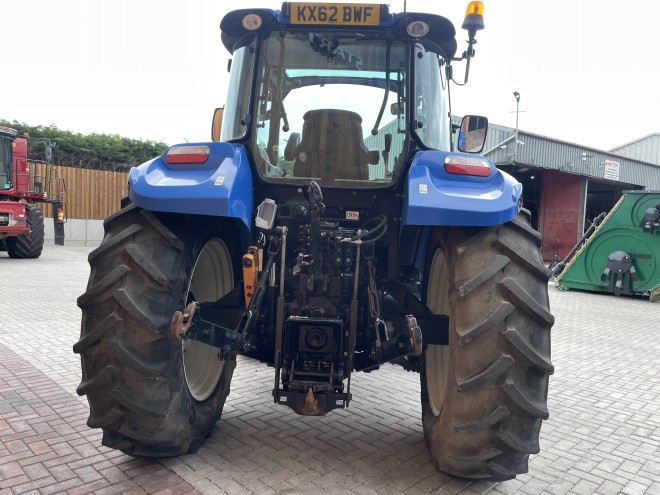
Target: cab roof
point(441, 30)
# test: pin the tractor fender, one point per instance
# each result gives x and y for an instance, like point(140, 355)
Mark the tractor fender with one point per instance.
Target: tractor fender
point(434, 196)
point(221, 186)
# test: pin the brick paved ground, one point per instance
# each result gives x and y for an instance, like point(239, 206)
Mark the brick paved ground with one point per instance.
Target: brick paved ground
point(603, 435)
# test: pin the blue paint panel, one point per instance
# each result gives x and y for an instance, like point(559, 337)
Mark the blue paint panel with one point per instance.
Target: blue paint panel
point(220, 187)
point(435, 197)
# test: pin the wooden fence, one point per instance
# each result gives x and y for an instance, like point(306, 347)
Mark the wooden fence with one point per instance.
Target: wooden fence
point(90, 194)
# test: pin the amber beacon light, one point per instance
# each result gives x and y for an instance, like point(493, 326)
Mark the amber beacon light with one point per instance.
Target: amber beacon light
point(474, 18)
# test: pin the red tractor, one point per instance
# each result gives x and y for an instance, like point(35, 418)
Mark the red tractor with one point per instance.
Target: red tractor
point(24, 182)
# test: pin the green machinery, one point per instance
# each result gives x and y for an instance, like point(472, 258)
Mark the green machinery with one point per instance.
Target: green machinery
point(620, 253)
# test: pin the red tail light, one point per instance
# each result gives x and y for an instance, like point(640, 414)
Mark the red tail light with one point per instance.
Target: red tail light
point(467, 165)
point(187, 154)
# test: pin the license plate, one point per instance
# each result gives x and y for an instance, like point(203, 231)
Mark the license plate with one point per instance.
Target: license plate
point(344, 14)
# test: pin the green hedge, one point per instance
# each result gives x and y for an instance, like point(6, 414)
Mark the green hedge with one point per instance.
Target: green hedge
point(95, 151)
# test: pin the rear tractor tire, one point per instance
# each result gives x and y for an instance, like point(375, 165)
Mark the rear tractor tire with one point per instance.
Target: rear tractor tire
point(152, 395)
point(485, 395)
point(32, 244)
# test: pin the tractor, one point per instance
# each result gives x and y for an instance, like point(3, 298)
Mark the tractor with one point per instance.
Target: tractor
point(21, 219)
point(337, 221)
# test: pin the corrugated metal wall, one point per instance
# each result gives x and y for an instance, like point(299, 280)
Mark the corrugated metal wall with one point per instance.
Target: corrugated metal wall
point(646, 149)
point(572, 158)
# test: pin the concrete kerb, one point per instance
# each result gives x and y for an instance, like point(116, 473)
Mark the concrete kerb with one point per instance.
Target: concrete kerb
point(77, 232)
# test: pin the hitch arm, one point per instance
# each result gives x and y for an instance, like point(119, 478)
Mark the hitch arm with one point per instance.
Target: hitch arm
point(190, 325)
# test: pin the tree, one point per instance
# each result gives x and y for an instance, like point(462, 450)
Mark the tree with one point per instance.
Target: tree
point(95, 151)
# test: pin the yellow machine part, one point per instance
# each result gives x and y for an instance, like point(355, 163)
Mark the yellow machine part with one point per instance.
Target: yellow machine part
point(250, 273)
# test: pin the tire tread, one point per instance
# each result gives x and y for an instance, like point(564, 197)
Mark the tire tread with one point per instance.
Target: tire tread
point(523, 300)
point(499, 358)
point(31, 245)
point(101, 289)
point(489, 375)
point(138, 278)
point(466, 288)
point(493, 321)
point(109, 323)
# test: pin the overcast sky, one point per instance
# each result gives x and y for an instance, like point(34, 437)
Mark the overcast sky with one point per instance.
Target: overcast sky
point(586, 70)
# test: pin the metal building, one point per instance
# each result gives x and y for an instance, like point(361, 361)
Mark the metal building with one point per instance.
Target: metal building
point(565, 185)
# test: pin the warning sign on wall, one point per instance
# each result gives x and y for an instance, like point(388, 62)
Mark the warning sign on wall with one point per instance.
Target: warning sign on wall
point(611, 170)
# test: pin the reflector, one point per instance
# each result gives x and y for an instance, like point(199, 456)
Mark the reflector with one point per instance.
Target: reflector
point(187, 154)
point(466, 165)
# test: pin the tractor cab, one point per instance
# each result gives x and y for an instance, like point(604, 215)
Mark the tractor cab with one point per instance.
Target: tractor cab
point(7, 136)
point(22, 174)
point(335, 93)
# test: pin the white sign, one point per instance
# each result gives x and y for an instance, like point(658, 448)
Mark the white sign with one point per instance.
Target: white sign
point(611, 170)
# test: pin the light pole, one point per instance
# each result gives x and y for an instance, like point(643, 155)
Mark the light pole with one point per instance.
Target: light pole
point(515, 147)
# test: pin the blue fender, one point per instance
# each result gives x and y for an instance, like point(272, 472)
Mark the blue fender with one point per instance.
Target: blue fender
point(433, 196)
point(222, 186)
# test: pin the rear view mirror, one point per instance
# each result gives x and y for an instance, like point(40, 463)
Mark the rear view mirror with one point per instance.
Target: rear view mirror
point(291, 145)
point(472, 134)
point(396, 108)
point(216, 126)
point(373, 157)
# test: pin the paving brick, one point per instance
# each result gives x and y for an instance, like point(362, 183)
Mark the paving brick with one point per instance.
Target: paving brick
point(181, 488)
point(10, 469)
point(34, 485)
point(207, 487)
point(164, 480)
point(14, 481)
point(88, 487)
point(584, 487)
point(112, 474)
point(635, 488)
point(64, 459)
point(40, 459)
point(35, 471)
point(81, 460)
point(124, 487)
point(15, 446)
point(60, 487)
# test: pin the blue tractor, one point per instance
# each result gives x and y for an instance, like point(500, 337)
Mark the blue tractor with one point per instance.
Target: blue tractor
point(336, 222)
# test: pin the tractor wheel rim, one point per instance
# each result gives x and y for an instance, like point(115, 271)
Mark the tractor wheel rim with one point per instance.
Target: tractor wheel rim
point(437, 356)
point(212, 277)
